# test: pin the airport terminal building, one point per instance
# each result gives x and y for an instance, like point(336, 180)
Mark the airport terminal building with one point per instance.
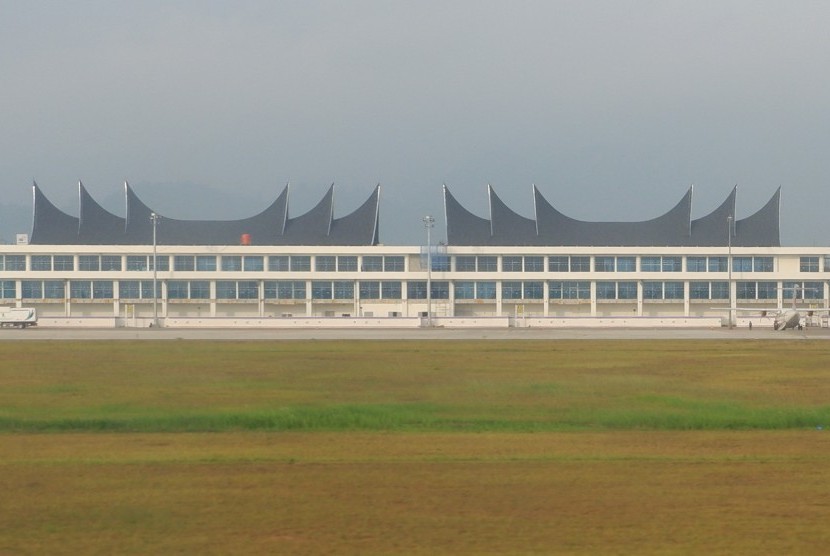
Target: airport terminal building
point(316, 269)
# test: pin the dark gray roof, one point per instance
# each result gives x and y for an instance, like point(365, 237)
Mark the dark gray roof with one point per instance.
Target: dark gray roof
point(553, 228)
point(272, 226)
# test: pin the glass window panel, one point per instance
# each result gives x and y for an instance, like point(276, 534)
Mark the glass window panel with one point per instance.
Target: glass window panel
point(745, 290)
point(767, 290)
point(672, 264)
point(652, 290)
point(325, 263)
point(627, 290)
point(742, 264)
point(300, 263)
point(673, 290)
point(7, 289)
point(347, 263)
point(807, 264)
point(199, 289)
point(177, 289)
point(534, 264)
point(44, 262)
point(111, 262)
point(343, 289)
point(697, 264)
point(247, 289)
point(80, 289)
point(465, 290)
point(54, 289)
point(63, 262)
point(253, 263)
point(558, 263)
point(129, 289)
point(440, 289)
point(511, 263)
point(720, 290)
point(485, 290)
point(488, 263)
point(102, 289)
point(534, 290)
point(371, 263)
point(321, 289)
point(626, 264)
point(718, 264)
point(205, 263)
point(762, 264)
point(87, 262)
point(813, 290)
point(369, 289)
point(232, 263)
point(604, 264)
point(31, 289)
point(464, 263)
point(511, 290)
point(699, 290)
point(393, 263)
point(278, 263)
point(184, 263)
point(416, 290)
point(441, 263)
point(606, 290)
point(134, 262)
point(225, 289)
point(650, 264)
point(390, 290)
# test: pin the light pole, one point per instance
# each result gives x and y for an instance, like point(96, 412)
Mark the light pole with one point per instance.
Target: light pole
point(729, 263)
point(429, 222)
point(154, 218)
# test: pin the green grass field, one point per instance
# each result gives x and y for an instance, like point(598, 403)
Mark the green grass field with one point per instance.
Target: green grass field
point(415, 447)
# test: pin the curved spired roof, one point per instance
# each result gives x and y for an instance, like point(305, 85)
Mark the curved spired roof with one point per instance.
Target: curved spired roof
point(50, 225)
point(96, 226)
point(553, 228)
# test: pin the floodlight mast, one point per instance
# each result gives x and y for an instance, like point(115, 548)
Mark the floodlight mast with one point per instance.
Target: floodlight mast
point(729, 264)
point(154, 218)
point(429, 222)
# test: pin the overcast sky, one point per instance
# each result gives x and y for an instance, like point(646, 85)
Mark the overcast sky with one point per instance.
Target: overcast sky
point(611, 108)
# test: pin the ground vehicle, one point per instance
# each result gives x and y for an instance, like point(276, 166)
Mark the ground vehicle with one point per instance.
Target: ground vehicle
point(18, 317)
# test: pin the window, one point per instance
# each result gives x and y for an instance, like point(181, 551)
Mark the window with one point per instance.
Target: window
point(372, 264)
point(604, 264)
point(393, 264)
point(742, 264)
point(325, 263)
point(697, 264)
point(627, 290)
point(80, 289)
point(807, 264)
point(440, 290)
point(570, 290)
point(184, 263)
point(253, 263)
point(720, 290)
point(54, 289)
point(321, 290)
point(278, 263)
point(488, 264)
point(485, 290)
point(440, 263)
point(369, 289)
point(300, 263)
point(247, 289)
point(129, 289)
point(390, 290)
point(284, 289)
point(650, 264)
point(134, 262)
point(225, 289)
point(534, 264)
point(44, 262)
point(347, 263)
point(343, 289)
point(88, 262)
point(110, 262)
point(652, 290)
point(606, 290)
point(7, 289)
point(232, 263)
point(718, 264)
point(580, 264)
point(465, 290)
point(511, 290)
point(177, 289)
point(698, 290)
point(416, 290)
point(673, 290)
point(534, 290)
point(63, 262)
point(626, 264)
point(199, 289)
point(31, 289)
point(767, 290)
point(511, 263)
point(102, 289)
point(672, 264)
point(813, 290)
point(465, 264)
point(745, 290)
point(558, 263)
point(205, 263)
point(762, 264)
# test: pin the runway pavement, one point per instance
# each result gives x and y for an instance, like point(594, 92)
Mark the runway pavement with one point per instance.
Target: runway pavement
point(39, 333)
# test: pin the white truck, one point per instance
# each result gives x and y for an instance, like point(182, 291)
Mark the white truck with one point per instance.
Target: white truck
point(17, 317)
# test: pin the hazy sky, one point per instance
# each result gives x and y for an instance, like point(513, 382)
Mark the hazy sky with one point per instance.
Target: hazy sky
point(611, 108)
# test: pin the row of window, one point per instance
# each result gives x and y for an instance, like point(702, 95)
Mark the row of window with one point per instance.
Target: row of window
point(370, 289)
